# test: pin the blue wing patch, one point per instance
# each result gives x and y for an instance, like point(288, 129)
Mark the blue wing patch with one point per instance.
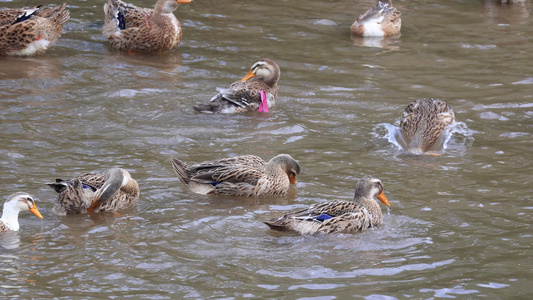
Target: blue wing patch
point(323, 217)
point(121, 21)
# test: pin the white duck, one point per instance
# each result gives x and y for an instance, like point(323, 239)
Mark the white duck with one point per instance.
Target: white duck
point(14, 204)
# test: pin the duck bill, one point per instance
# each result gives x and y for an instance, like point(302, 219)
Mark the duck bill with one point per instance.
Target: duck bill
point(292, 179)
point(248, 76)
point(35, 211)
point(383, 199)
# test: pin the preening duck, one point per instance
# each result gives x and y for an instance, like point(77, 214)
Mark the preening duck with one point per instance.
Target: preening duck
point(128, 27)
point(382, 20)
point(109, 191)
point(255, 91)
point(28, 31)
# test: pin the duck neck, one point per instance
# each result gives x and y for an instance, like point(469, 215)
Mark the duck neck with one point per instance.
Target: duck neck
point(10, 217)
point(273, 169)
point(272, 82)
point(276, 176)
point(371, 206)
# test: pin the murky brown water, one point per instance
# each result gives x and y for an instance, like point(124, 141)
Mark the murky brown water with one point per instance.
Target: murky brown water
point(459, 224)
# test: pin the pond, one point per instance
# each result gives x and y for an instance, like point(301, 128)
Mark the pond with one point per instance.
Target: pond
point(459, 224)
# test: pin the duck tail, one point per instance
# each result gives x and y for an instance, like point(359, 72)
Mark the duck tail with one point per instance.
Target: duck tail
point(275, 226)
point(57, 14)
point(180, 168)
point(59, 185)
point(61, 14)
point(209, 108)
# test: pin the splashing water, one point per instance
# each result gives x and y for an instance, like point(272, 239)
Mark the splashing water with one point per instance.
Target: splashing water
point(396, 137)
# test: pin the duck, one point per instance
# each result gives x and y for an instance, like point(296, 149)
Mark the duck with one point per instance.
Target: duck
point(245, 175)
point(14, 204)
point(255, 91)
point(29, 31)
point(423, 123)
point(138, 29)
point(109, 191)
point(382, 20)
point(338, 216)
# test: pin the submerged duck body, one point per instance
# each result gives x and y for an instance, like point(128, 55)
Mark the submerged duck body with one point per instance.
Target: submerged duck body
point(109, 191)
point(14, 204)
point(423, 123)
point(382, 20)
point(246, 175)
point(338, 216)
point(28, 31)
point(255, 91)
point(128, 27)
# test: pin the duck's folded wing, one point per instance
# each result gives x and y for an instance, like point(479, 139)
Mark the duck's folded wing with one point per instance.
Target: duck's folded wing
point(13, 16)
point(229, 173)
point(94, 180)
point(239, 97)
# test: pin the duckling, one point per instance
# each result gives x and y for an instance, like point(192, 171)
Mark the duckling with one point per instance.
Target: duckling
point(29, 31)
point(109, 191)
point(255, 91)
point(382, 20)
point(423, 122)
point(338, 216)
point(246, 175)
point(14, 204)
point(139, 29)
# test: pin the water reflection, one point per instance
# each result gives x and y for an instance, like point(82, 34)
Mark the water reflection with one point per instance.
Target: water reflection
point(10, 240)
point(457, 222)
point(507, 11)
point(166, 62)
point(38, 67)
point(377, 42)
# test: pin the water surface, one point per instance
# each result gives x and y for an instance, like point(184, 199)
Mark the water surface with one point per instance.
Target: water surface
point(459, 225)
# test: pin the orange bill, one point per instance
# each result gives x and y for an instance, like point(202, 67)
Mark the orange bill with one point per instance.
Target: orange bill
point(383, 199)
point(35, 211)
point(248, 76)
point(91, 209)
point(433, 153)
point(184, 1)
point(292, 179)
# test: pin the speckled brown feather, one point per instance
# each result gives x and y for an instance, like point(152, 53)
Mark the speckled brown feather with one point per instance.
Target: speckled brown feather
point(146, 30)
point(3, 227)
point(75, 198)
point(20, 37)
point(243, 96)
point(346, 216)
point(246, 175)
point(391, 23)
point(423, 122)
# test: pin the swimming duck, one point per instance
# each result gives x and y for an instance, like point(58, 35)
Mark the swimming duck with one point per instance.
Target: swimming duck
point(246, 175)
point(255, 91)
point(133, 28)
point(28, 31)
point(338, 216)
point(423, 122)
point(14, 204)
point(382, 20)
point(109, 191)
